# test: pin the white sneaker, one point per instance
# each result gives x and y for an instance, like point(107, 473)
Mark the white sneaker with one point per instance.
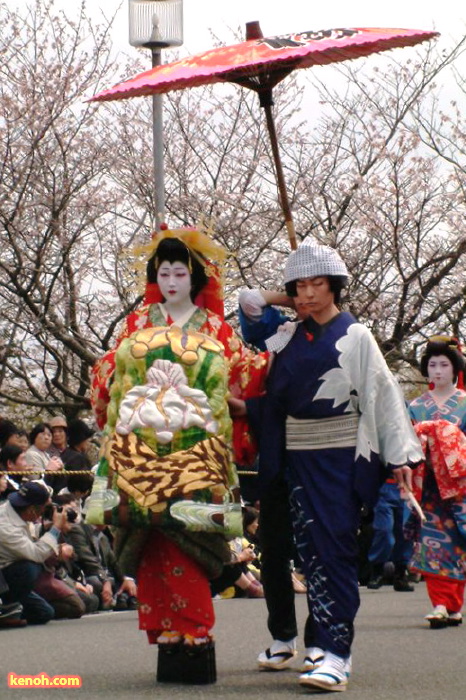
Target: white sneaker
point(279, 656)
point(438, 617)
point(313, 657)
point(332, 674)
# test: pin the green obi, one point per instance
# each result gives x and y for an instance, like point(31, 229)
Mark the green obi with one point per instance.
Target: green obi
point(167, 440)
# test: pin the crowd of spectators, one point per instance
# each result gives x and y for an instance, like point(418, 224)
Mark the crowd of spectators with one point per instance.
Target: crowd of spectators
point(53, 565)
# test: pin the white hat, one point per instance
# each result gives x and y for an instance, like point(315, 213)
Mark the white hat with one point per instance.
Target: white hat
point(314, 260)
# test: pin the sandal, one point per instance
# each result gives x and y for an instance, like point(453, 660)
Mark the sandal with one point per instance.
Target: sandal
point(313, 659)
point(330, 675)
point(276, 661)
point(454, 619)
point(438, 618)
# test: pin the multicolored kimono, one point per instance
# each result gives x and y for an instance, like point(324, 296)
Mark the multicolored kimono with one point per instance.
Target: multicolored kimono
point(162, 395)
point(425, 407)
point(246, 370)
point(334, 419)
point(440, 542)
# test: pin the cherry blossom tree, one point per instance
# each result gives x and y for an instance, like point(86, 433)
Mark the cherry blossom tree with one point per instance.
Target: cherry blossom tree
point(380, 175)
point(392, 206)
point(59, 234)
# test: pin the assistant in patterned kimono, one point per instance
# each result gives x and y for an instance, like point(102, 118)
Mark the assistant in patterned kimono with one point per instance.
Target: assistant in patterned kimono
point(440, 484)
point(162, 395)
point(333, 419)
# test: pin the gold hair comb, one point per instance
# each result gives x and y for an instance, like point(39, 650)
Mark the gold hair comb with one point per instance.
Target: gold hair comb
point(448, 339)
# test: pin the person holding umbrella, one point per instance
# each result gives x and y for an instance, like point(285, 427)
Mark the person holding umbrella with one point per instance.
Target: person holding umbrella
point(332, 421)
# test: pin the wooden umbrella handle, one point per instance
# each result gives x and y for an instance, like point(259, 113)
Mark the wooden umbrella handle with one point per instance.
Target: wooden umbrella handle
point(284, 201)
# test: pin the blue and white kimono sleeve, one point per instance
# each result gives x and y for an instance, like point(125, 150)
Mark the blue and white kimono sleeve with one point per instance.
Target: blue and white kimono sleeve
point(364, 382)
point(257, 331)
point(329, 371)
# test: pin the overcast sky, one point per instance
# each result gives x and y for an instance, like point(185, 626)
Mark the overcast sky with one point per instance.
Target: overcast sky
point(282, 17)
point(287, 16)
point(447, 16)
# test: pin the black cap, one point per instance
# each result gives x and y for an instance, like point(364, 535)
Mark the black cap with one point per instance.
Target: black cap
point(32, 493)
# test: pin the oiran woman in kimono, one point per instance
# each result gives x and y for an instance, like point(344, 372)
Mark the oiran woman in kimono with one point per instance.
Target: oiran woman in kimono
point(440, 484)
point(162, 396)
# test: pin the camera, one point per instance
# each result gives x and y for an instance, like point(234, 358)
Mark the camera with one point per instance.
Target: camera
point(71, 514)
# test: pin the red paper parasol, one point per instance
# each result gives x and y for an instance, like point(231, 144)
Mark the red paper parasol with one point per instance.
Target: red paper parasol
point(259, 64)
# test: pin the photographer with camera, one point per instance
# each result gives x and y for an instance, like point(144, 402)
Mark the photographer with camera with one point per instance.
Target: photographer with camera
point(79, 486)
point(95, 558)
point(22, 556)
point(68, 597)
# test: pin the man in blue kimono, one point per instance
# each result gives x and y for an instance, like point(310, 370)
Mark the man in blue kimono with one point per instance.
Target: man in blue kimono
point(333, 419)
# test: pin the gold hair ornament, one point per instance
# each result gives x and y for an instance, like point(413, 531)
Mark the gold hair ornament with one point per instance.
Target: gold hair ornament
point(198, 242)
point(449, 340)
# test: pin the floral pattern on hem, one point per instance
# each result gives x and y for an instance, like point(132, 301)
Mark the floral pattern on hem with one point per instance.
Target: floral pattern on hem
point(173, 591)
point(440, 547)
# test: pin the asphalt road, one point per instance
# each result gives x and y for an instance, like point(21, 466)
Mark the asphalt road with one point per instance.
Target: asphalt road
point(396, 656)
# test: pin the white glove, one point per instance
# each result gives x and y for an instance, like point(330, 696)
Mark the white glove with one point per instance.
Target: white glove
point(252, 302)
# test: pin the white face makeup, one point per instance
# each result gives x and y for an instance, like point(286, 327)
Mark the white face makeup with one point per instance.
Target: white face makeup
point(174, 280)
point(440, 371)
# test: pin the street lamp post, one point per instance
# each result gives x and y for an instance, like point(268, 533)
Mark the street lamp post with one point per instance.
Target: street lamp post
point(156, 25)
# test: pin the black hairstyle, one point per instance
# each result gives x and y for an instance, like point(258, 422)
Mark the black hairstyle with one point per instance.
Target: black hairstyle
point(80, 482)
point(78, 431)
point(436, 348)
point(336, 284)
point(64, 499)
point(9, 453)
point(250, 514)
point(37, 429)
point(174, 250)
point(7, 429)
